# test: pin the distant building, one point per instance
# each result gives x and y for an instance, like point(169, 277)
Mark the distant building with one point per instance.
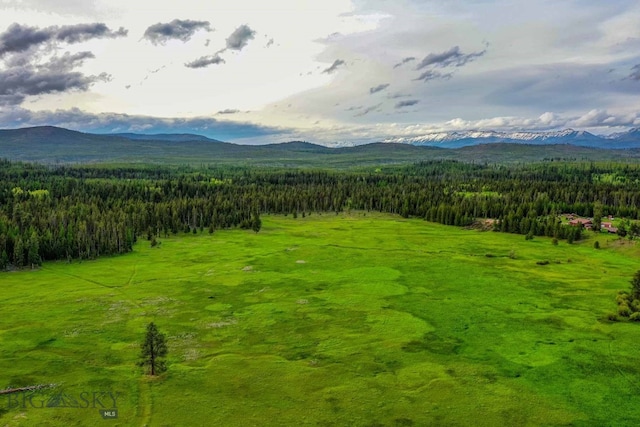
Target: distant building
point(608, 226)
point(585, 222)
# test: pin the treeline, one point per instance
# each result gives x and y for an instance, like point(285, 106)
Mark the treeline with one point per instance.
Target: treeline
point(49, 213)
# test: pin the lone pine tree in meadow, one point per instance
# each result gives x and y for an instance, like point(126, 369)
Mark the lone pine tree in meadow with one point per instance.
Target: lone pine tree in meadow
point(154, 349)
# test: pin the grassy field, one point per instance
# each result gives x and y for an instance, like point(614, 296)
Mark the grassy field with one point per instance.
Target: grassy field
point(330, 321)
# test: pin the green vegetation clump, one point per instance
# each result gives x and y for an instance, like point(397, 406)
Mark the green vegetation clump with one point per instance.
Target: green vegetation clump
point(624, 310)
point(613, 317)
point(629, 301)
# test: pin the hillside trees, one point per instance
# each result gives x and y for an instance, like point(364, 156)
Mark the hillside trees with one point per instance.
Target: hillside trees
point(256, 222)
point(597, 217)
point(78, 212)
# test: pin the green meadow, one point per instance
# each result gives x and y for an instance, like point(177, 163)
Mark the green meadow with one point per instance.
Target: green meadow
point(329, 320)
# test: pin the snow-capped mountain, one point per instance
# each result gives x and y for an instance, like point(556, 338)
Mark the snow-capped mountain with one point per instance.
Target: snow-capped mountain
point(630, 135)
point(629, 139)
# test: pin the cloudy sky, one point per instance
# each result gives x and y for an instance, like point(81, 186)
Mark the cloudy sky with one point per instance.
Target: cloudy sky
point(331, 71)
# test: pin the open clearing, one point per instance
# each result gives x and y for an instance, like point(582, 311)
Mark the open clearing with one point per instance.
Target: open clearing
point(332, 321)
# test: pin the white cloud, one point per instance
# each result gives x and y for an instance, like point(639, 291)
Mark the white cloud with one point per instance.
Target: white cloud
point(603, 119)
point(551, 64)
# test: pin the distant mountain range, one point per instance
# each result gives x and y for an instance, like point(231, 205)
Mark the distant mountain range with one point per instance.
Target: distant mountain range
point(48, 144)
point(453, 139)
point(51, 134)
point(170, 137)
point(617, 141)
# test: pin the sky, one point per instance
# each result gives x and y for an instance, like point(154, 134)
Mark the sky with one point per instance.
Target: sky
point(330, 72)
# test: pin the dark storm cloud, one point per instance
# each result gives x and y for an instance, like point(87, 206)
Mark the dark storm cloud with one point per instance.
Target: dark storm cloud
point(407, 103)
point(378, 88)
point(336, 64)
point(177, 29)
point(67, 61)
point(112, 123)
point(240, 37)
point(452, 57)
point(20, 38)
point(368, 110)
point(404, 61)
point(228, 111)
point(26, 73)
point(398, 95)
point(205, 61)
point(83, 32)
point(57, 75)
point(434, 75)
point(635, 73)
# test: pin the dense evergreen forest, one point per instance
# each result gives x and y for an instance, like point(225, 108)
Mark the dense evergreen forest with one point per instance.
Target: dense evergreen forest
point(82, 212)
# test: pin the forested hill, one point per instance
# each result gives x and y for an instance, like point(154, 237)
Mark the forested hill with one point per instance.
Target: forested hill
point(172, 137)
point(66, 212)
point(56, 145)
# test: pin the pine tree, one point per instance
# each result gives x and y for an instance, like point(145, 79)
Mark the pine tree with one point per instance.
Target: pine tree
point(597, 217)
point(33, 253)
point(256, 222)
point(154, 349)
point(4, 260)
point(18, 253)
